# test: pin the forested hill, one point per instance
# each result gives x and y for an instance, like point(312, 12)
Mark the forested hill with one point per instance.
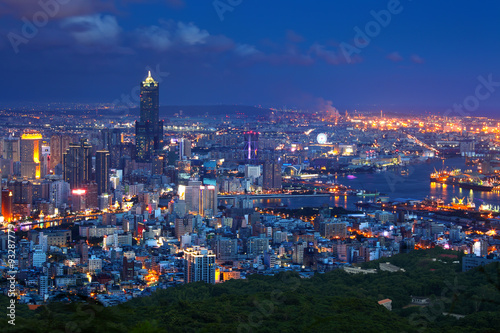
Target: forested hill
point(330, 302)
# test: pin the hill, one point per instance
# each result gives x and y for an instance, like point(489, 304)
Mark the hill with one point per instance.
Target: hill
point(334, 301)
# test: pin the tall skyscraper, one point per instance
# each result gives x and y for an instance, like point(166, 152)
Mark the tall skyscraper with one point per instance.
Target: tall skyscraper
point(149, 130)
point(23, 191)
point(77, 164)
point(184, 149)
point(271, 175)
point(199, 265)
point(31, 151)
point(10, 149)
point(208, 201)
point(102, 171)
point(112, 141)
point(7, 204)
point(58, 145)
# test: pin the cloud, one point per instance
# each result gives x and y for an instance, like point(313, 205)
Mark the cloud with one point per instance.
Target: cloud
point(93, 29)
point(394, 56)
point(416, 59)
point(170, 35)
point(29, 8)
point(191, 34)
point(331, 57)
point(154, 37)
point(294, 37)
point(246, 50)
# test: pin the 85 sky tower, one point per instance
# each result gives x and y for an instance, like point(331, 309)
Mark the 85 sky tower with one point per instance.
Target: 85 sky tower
point(149, 130)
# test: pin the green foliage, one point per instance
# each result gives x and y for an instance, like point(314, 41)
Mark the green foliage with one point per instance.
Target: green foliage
point(334, 301)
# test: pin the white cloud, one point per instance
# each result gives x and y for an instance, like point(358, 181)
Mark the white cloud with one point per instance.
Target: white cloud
point(191, 34)
point(154, 37)
point(93, 29)
point(246, 50)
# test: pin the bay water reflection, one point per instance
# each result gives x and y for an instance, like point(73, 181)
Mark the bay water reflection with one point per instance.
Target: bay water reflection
point(410, 182)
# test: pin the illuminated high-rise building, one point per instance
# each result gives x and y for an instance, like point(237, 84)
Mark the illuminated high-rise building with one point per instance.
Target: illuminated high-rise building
point(78, 202)
point(31, 151)
point(102, 171)
point(10, 149)
point(272, 175)
point(58, 146)
point(7, 204)
point(77, 164)
point(23, 191)
point(112, 141)
point(199, 265)
point(149, 130)
point(208, 200)
point(184, 149)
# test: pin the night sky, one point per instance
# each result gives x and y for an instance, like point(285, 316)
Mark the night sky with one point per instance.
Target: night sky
point(270, 53)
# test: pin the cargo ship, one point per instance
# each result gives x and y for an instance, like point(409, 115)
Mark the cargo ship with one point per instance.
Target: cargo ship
point(476, 185)
point(455, 177)
point(445, 176)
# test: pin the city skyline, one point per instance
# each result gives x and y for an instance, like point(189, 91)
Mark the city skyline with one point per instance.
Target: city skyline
point(249, 166)
point(204, 55)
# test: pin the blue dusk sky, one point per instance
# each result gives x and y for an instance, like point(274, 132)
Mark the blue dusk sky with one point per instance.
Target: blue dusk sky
point(408, 56)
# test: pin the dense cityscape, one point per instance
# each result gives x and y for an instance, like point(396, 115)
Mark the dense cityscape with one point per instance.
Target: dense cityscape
point(249, 167)
point(115, 210)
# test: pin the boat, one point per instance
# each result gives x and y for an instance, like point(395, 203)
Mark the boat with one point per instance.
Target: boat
point(444, 176)
point(367, 193)
point(361, 204)
point(475, 184)
point(459, 204)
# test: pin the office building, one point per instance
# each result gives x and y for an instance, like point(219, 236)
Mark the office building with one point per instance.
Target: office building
point(59, 144)
point(199, 265)
point(59, 192)
point(7, 204)
point(77, 164)
point(102, 171)
point(257, 246)
point(184, 149)
point(78, 197)
point(23, 192)
point(11, 149)
point(39, 256)
point(31, 152)
point(149, 130)
point(43, 285)
point(183, 225)
point(271, 175)
point(252, 171)
point(208, 201)
point(226, 248)
point(333, 229)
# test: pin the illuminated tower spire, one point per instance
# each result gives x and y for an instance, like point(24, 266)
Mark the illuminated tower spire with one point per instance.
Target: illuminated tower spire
point(149, 130)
